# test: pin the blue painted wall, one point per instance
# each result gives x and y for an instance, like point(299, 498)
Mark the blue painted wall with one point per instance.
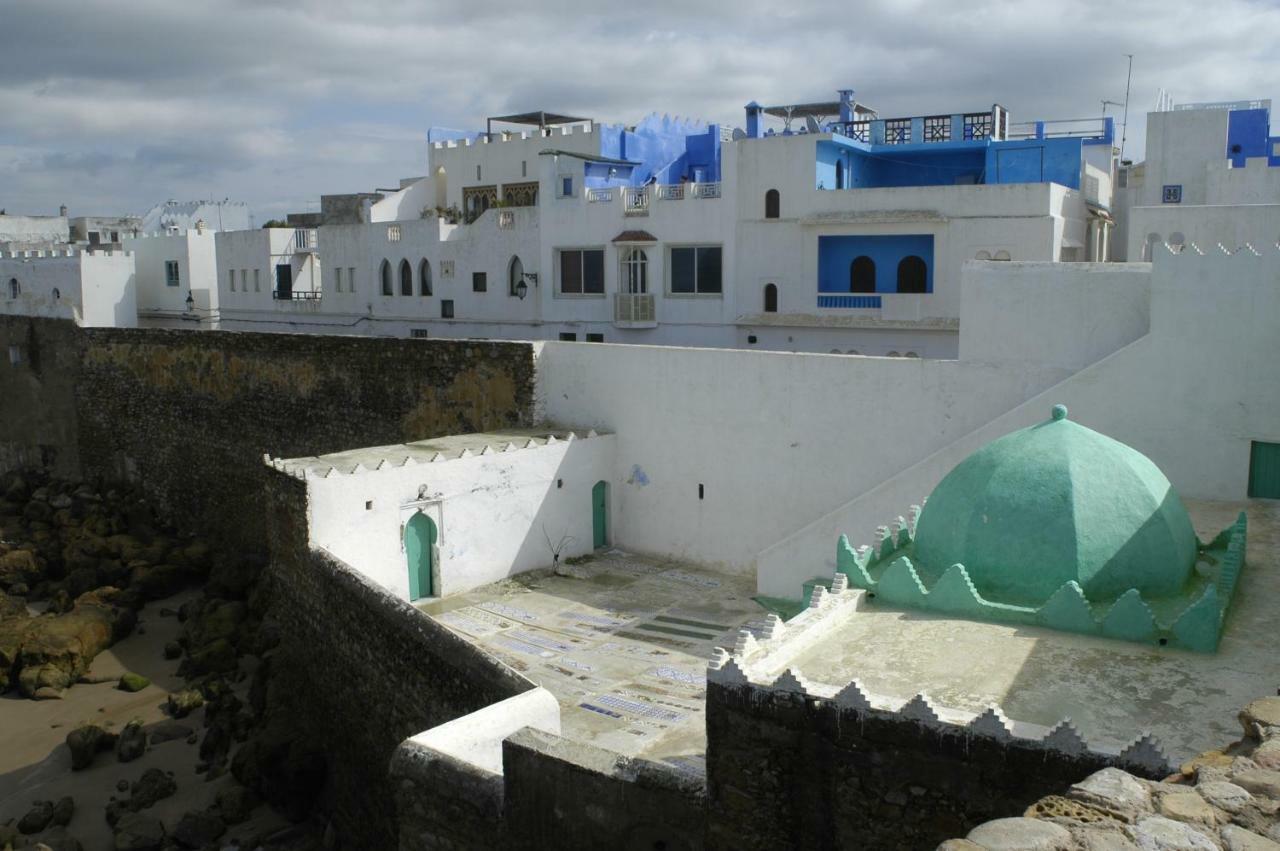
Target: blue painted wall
point(949, 163)
point(604, 175)
point(666, 149)
point(1247, 135)
point(836, 253)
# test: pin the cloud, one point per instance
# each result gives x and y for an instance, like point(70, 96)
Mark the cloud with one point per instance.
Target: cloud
point(278, 101)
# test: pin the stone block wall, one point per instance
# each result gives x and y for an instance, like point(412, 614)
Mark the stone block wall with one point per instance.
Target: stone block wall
point(786, 769)
point(39, 363)
point(360, 671)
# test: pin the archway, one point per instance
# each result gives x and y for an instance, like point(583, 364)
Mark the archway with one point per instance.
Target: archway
point(772, 204)
point(384, 275)
point(442, 189)
point(406, 278)
point(862, 275)
point(600, 514)
point(770, 298)
point(913, 275)
point(420, 537)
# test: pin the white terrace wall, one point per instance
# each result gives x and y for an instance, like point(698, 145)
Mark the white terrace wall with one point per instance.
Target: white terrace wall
point(93, 290)
point(196, 256)
point(493, 512)
point(1206, 226)
point(773, 439)
point(1191, 394)
point(507, 158)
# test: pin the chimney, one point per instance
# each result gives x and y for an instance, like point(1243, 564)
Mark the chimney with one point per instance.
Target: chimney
point(62, 211)
point(846, 105)
point(200, 226)
point(753, 120)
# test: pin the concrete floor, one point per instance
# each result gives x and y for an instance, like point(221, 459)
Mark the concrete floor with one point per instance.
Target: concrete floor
point(1112, 690)
point(624, 646)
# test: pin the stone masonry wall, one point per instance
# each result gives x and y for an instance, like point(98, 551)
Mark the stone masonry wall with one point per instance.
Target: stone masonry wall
point(787, 770)
point(38, 422)
point(360, 671)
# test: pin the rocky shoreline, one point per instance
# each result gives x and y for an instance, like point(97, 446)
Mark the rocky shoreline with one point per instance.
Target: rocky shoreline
point(185, 738)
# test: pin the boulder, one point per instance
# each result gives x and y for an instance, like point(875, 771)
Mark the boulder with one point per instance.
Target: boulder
point(1021, 834)
point(217, 657)
point(133, 682)
point(1157, 833)
point(172, 650)
point(157, 581)
point(136, 832)
point(183, 703)
point(19, 566)
point(220, 620)
point(154, 785)
point(132, 742)
point(1259, 781)
point(87, 742)
point(235, 803)
point(37, 818)
point(168, 731)
point(56, 650)
point(1239, 839)
point(63, 811)
point(198, 829)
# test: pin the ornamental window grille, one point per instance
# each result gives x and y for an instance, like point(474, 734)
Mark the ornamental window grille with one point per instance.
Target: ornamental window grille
point(859, 131)
point(937, 128)
point(977, 125)
point(635, 271)
point(897, 131)
point(393, 233)
point(520, 194)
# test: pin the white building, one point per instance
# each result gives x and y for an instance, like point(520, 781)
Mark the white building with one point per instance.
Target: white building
point(265, 274)
point(177, 277)
point(181, 216)
point(91, 289)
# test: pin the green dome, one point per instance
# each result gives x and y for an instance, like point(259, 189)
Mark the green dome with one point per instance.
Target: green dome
point(1057, 502)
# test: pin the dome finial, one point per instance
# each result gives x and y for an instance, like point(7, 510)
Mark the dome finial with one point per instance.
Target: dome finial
point(1059, 412)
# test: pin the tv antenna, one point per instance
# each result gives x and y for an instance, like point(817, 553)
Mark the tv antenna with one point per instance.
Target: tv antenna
point(1124, 124)
point(1106, 103)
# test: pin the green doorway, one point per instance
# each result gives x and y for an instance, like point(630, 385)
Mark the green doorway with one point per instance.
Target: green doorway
point(419, 547)
point(1264, 470)
point(600, 514)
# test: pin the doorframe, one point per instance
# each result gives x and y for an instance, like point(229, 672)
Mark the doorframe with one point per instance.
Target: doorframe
point(608, 515)
point(434, 510)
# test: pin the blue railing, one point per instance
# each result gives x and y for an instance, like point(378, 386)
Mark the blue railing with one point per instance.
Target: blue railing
point(858, 301)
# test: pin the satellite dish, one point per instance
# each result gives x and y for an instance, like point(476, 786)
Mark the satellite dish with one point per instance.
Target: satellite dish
point(812, 124)
point(739, 133)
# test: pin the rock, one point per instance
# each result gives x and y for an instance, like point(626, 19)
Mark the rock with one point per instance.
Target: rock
point(122, 786)
point(168, 731)
point(1114, 790)
point(1259, 781)
point(132, 742)
point(37, 818)
point(1186, 806)
point(56, 650)
point(1021, 834)
point(235, 803)
point(232, 577)
point(154, 785)
point(1239, 839)
point(1157, 833)
point(1224, 795)
point(1259, 715)
point(959, 845)
point(136, 832)
point(49, 693)
point(196, 830)
point(57, 839)
point(19, 566)
point(155, 582)
point(183, 703)
point(63, 811)
point(217, 743)
point(1208, 759)
point(1102, 839)
point(133, 682)
point(172, 650)
point(86, 742)
point(217, 657)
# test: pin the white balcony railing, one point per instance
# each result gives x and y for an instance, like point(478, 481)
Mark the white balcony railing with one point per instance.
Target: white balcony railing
point(706, 190)
point(598, 195)
point(304, 241)
point(634, 309)
point(635, 201)
point(671, 192)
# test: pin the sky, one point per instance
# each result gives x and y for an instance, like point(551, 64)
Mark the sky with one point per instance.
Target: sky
point(112, 107)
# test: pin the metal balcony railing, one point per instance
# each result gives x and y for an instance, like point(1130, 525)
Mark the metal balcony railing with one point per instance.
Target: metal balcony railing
point(634, 309)
point(635, 202)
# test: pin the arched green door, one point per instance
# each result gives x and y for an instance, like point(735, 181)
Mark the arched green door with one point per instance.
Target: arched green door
point(600, 514)
point(419, 540)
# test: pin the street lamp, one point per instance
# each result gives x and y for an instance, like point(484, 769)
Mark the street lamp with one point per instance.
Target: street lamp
point(191, 302)
point(522, 289)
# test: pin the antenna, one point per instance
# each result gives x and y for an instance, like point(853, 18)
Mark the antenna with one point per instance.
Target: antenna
point(1124, 124)
point(1106, 103)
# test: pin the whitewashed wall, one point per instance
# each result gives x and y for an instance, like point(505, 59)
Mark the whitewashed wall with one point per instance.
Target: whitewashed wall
point(491, 512)
point(196, 256)
point(93, 290)
point(1205, 225)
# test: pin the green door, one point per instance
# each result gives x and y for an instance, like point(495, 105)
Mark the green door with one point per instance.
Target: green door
point(419, 540)
point(600, 514)
point(1264, 470)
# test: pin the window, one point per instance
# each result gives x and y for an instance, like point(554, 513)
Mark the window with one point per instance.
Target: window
point(384, 275)
point(564, 186)
point(770, 298)
point(244, 280)
point(418, 333)
point(171, 275)
point(231, 279)
point(15, 289)
point(839, 175)
point(524, 168)
point(393, 233)
point(1002, 255)
point(772, 204)
point(257, 286)
point(15, 355)
point(568, 337)
point(351, 279)
point(515, 273)
point(862, 275)
point(696, 271)
point(635, 271)
point(582, 271)
point(913, 274)
point(94, 238)
point(115, 236)
point(406, 278)
point(477, 172)
point(446, 308)
point(479, 282)
point(982, 255)
point(595, 338)
point(338, 278)
point(752, 339)
point(424, 277)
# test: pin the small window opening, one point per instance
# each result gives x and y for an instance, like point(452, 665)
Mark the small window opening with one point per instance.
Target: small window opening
point(559, 483)
point(368, 505)
point(701, 490)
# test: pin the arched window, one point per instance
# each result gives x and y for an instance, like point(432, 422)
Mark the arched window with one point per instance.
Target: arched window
point(406, 278)
point(1177, 242)
point(862, 275)
point(852, 352)
point(982, 255)
point(1002, 256)
point(515, 272)
point(424, 277)
point(635, 271)
point(911, 355)
point(839, 174)
point(15, 289)
point(770, 298)
point(772, 204)
point(384, 274)
point(57, 293)
point(913, 274)
point(893, 355)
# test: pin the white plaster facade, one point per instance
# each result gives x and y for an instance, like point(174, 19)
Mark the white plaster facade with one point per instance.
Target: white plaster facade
point(92, 290)
point(249, 264)
point(171, 267)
